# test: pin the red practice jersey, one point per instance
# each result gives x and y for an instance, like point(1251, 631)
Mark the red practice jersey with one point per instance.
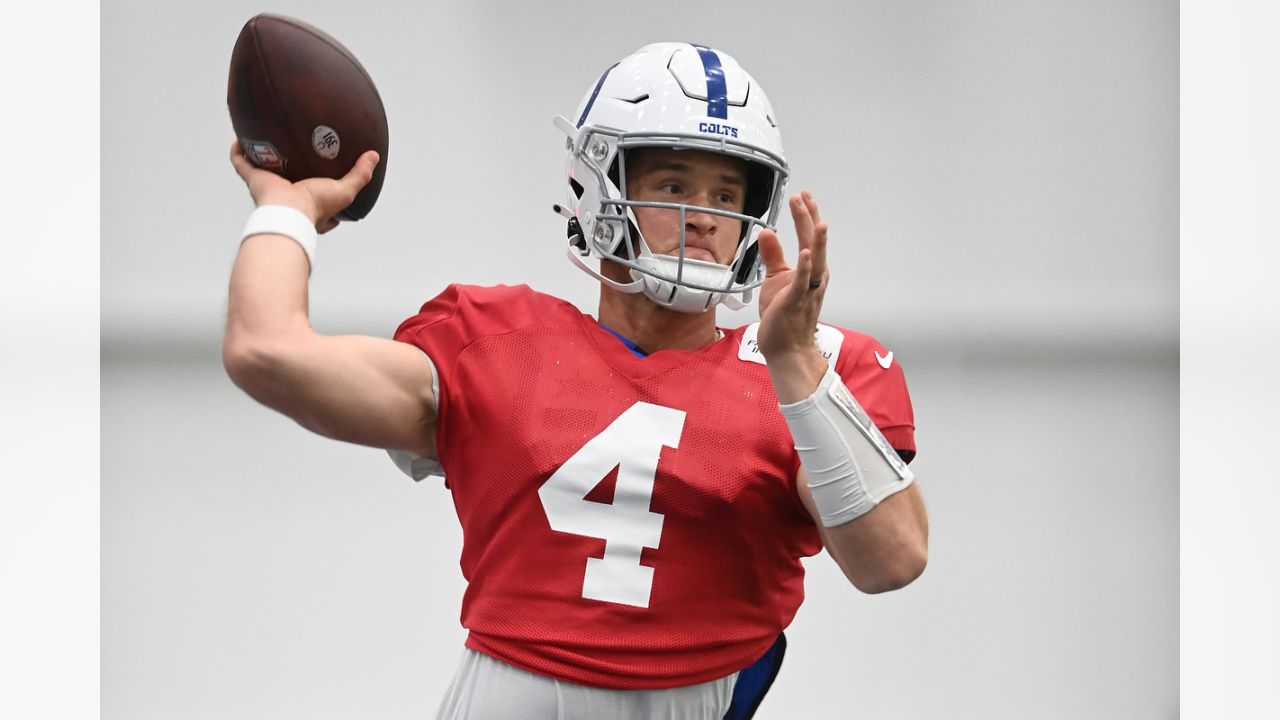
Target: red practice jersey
point(628, 522)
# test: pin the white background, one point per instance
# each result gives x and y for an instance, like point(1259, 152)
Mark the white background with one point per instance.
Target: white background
point(161, 651)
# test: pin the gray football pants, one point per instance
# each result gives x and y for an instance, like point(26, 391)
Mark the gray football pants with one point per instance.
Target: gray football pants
point(489, 689)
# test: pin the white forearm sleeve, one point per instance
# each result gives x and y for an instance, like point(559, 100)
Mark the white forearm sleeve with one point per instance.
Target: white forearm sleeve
point(850, 465)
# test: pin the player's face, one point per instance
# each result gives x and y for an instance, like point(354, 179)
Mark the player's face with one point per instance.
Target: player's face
point(692, 177)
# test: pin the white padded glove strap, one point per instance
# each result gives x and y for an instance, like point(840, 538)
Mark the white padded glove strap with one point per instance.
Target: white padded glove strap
point(849, 464)
point(286, 221)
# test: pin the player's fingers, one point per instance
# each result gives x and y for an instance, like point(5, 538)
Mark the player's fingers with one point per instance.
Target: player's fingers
point(332, 196)
point(812, 204)
point(360, 174)
point(800, 280)
point(804, 222)
point(771, 253)
point(820, 250)
point(326, 226)
point(239, 161)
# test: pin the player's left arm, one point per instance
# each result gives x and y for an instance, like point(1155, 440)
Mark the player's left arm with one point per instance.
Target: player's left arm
point(885, 549)
point(886, 546)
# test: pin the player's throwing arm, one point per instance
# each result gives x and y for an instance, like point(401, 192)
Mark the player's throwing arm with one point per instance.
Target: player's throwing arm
point(365, 390)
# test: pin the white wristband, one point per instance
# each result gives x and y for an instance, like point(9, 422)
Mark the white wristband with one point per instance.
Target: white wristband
point(286, 221)
point(849, 464)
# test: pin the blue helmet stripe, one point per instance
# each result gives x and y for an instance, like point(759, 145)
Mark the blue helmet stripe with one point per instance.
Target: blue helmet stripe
point(717, 95)
point(594, 93)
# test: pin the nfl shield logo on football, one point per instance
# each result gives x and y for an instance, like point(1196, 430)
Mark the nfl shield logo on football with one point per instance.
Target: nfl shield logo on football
point(263, 154)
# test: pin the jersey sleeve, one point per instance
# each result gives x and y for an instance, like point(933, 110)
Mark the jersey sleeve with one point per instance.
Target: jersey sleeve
point(443, 329)
point(881, 390)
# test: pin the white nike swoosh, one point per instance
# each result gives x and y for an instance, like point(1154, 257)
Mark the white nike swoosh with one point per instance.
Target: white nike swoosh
point(885, 361)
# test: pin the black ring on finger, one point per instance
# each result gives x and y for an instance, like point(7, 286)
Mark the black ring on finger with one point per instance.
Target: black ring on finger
point(815, 285)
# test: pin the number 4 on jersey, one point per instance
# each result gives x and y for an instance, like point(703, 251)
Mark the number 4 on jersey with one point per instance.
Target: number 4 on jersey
point(632, 444)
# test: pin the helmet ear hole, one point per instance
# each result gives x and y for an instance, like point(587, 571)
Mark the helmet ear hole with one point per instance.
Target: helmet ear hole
point(576, 187)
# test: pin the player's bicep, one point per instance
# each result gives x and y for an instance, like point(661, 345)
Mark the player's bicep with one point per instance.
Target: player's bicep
point(365, 390)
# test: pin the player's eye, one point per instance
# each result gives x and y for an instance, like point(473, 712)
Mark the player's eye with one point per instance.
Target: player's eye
point(670, 188)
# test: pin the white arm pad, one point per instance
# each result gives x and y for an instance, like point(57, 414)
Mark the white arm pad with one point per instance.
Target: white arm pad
point(850, 465)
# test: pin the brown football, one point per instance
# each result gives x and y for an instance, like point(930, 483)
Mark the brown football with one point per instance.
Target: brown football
point(302, 106)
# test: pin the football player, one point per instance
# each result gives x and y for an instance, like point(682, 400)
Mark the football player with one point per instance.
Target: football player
point(636, 489)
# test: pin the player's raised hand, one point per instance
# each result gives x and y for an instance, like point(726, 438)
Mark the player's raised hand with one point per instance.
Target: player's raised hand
point(317, 198)
point(791, 298)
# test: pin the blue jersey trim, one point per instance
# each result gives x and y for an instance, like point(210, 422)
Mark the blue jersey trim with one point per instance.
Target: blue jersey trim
point(717, 94)
point(634, 348)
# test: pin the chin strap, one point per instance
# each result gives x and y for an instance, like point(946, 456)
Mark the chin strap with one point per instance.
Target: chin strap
point(578, 246)
point(635, 286)
point(734, 303)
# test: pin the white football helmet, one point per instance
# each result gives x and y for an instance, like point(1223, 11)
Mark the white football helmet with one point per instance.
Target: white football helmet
point(682, 96)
